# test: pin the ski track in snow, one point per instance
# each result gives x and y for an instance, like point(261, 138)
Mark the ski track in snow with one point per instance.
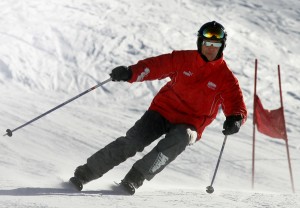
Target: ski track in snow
point(53, 51)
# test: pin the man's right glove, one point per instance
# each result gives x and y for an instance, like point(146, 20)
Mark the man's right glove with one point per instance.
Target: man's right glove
point(121, 73)
point(232, 124)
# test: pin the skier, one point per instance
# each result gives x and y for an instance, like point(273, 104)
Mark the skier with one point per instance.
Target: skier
point(200, 82)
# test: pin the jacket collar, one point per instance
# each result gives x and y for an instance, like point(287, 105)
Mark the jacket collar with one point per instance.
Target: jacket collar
point(217, 61)
point(214, 62)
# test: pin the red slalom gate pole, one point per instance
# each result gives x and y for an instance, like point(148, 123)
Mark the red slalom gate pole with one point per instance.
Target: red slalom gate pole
point(254, 106)
point(286, 138)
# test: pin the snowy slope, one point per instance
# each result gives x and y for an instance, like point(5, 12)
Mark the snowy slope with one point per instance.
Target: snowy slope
point(51, 51)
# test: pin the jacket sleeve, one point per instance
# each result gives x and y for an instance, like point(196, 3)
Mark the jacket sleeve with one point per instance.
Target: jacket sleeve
point(233, 101)
point(153, 68)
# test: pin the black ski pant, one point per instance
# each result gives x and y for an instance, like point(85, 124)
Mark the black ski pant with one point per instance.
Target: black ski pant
point(147, 129)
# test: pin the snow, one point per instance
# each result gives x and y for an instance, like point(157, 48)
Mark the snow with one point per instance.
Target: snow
point(51, 51)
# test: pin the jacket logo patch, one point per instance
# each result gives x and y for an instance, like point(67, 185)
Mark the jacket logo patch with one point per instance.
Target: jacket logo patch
point(188, 73)
point(160, 161)
point(211, 85)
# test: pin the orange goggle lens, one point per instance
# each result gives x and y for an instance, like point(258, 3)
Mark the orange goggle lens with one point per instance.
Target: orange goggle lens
point(213, 32)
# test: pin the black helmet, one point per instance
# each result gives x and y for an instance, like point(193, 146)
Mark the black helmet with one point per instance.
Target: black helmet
point(212, 31)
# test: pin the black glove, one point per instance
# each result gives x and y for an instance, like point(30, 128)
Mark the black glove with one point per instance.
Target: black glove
point(232, 124)
point(121, 73)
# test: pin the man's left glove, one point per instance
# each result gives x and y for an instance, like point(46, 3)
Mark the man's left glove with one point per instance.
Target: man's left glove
point(121, 73)
point(232, 124)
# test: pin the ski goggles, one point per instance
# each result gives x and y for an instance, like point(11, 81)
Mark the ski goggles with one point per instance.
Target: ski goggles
point(214, 44)
point(213, 32)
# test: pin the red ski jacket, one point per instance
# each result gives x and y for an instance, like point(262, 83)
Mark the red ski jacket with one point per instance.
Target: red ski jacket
point(196, 89)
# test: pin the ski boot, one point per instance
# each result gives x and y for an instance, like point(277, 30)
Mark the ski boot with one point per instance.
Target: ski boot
point(133, 180)
point(82, 175)
point(76, 183)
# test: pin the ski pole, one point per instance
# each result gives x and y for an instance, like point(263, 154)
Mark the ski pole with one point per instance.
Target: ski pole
point(210, 189)
point(9, 132)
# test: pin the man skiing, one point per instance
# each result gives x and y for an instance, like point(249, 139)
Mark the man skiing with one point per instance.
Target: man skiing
point(200, 82)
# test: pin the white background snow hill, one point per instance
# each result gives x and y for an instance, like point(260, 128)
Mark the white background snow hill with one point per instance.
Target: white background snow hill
point(51, 51)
